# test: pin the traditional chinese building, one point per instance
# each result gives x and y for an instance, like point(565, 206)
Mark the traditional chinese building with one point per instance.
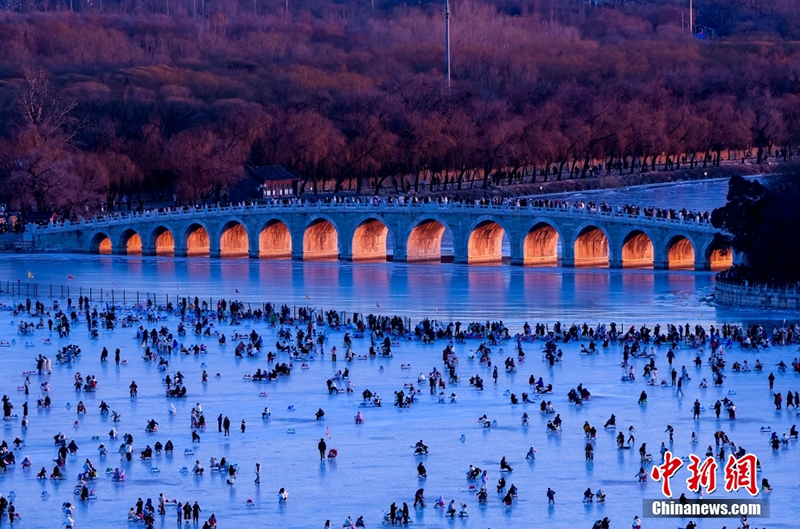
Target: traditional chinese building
point(265, 181)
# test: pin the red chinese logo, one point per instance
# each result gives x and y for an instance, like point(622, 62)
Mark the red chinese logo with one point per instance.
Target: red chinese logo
point(665, 471)
point(741, 474)
point(703, 474)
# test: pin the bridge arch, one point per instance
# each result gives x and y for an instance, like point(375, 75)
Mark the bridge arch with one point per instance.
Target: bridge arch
point(130, 242)
point(196, 239)
point(372, 239)
point(162, 240)
point(274, 239)
point(591, 247)
point(717, 257)
point(485, 241)
point(100, 243)
point(234, 241)
point(429, 239)
point(637, 249)
point(540, 243)
point(680, 252)
point(320, 239)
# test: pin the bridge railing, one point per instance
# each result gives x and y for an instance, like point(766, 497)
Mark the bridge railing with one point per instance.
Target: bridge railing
point(115, 218)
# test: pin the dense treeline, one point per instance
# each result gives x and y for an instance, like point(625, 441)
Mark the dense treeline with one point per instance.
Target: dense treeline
point(135, 102)
point(763, 223)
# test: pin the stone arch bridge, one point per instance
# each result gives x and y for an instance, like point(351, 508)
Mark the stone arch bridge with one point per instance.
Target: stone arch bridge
point(465, 233)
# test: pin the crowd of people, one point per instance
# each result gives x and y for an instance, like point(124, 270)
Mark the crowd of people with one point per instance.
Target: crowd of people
point(307, 334)
point(700, 217)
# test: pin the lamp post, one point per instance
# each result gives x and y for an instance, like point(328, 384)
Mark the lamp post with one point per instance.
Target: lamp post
point(682, 19)
point(447, 40)
point(691, 17)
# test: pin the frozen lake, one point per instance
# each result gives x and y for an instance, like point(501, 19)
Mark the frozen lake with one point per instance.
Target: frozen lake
point(376, 465)
point(698, 195)
point(513, 294)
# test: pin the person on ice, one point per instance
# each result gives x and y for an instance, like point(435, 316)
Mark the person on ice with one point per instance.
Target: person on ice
point(588, 495)
point(600, 495)
point(482, 496)
point(419, 498)
point(508, 499)
point(643, 452)
point(671, 432)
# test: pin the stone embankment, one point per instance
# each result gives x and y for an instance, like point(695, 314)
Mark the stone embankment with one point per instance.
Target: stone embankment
point(756, 296)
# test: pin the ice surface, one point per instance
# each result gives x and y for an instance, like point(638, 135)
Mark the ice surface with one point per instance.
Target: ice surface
point(700, 195)
point(376, 464)
point(514, 294)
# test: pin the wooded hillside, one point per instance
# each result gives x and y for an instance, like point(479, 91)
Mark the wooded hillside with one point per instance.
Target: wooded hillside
point(130, 100)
